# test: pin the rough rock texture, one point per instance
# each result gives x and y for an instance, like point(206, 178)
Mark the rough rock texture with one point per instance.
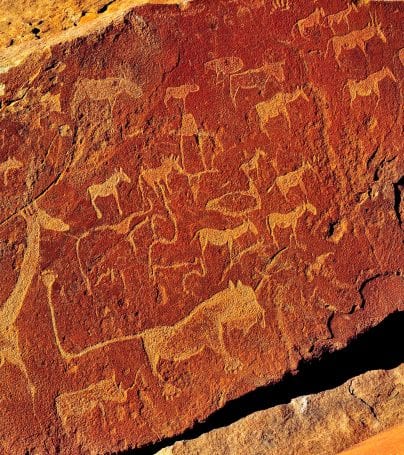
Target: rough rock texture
point(26, 20)
point(321, 424)
point(192, 201)
point(388, 442)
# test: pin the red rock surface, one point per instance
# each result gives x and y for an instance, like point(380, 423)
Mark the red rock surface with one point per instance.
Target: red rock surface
point(191, 202)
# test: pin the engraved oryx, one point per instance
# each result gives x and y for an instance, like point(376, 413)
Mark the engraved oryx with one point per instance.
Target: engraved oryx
point(369, 85)
point(288, 220)
point(108, 188)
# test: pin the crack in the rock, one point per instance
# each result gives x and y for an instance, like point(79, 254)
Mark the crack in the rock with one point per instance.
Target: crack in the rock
point(378, 348)
point(370, 407)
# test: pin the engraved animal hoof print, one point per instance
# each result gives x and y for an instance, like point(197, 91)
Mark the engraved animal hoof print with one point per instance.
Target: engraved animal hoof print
point(195, 197)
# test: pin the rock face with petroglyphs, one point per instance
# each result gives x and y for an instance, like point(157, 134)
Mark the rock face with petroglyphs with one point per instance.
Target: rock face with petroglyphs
point(194, 198)
point(322, 424)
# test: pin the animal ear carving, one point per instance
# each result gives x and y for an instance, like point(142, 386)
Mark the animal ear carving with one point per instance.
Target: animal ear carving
point(231, 284)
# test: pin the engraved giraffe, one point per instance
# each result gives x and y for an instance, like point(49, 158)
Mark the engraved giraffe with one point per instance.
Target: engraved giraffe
point(180, 93)
point(337, 18)
point(221, 237)
point(236, 306)
point(369, 85)
point(224, 66)
point(35, 219)
point(312, 20)
point(356, 38)
point(107, 188)
point(288, 220)
point(256, 78)
point(292, 179)
point(11, 164)
point(276, 106)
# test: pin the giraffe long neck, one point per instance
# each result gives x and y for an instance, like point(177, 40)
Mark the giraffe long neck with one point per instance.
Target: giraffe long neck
point(11, 309)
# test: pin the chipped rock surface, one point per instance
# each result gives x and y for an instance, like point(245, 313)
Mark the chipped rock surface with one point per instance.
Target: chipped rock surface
point(192, 200)
point(321, 424)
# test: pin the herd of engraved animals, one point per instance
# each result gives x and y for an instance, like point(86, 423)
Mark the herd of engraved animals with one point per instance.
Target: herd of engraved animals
point(235, 304)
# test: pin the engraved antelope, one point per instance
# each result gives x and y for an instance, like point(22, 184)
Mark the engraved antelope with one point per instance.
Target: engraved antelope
point(107, 188)
point(224, 66)
point(310, 21)
point(276, 106)
point(218, 237)
point(36, 219)
point(337, 18)
point(256, 78)
point(11, 164)
point(356, 38)
point(180, 93)
point(155, 177)
point(369, 85)
point(291, 179)
point(288, 220)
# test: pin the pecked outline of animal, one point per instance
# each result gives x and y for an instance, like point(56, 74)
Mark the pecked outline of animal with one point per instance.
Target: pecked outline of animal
point(291, 179)
point(35, 219)
point(366, 87)
point(310, 21)
point(256, 78)
point(108, 188)
point(235, 306)
point(340, 16)
point(103, 89)
point(224, 66)
point(221, 237)
point(155, 177)
point(287, 220)
point(10, 164)
point(356, 38)
point(276, 106)
point(180, 93)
